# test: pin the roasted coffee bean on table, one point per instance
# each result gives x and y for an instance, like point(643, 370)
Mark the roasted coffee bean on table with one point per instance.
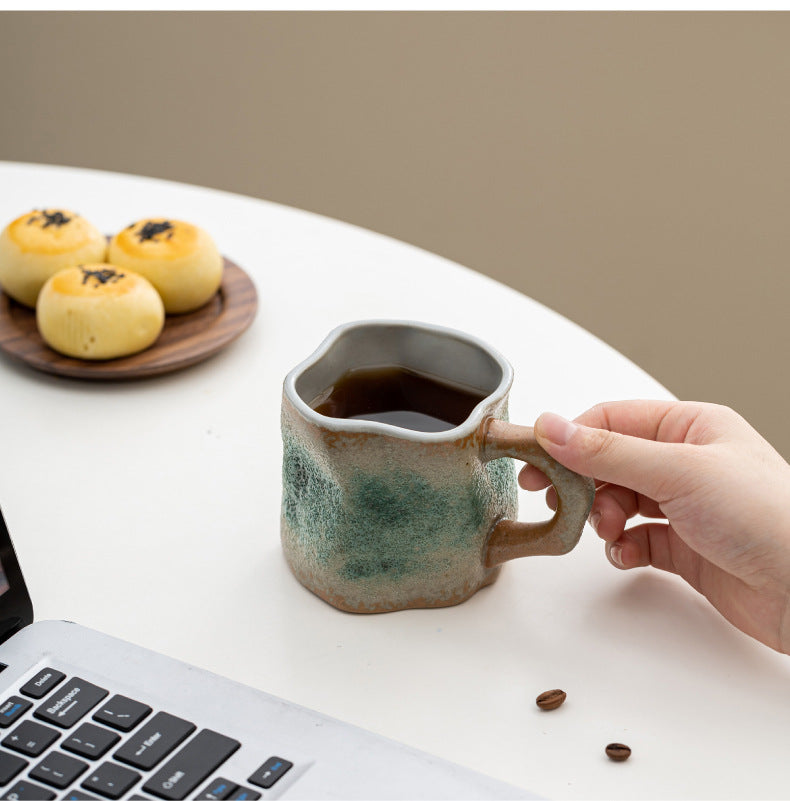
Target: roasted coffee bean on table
point(551, 699)
point(618, 752)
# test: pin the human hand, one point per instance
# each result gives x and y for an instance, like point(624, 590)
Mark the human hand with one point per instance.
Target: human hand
point(721, 491)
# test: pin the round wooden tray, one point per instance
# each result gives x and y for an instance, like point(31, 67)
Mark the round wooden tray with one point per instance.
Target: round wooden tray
point(185, 340)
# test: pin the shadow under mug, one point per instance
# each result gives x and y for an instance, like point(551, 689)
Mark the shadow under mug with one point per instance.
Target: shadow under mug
point(377, 518)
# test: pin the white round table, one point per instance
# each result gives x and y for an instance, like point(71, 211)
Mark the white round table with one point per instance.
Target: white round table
point(150, 510)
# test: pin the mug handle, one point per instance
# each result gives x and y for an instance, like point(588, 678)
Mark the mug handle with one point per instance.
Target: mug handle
point(510, 539)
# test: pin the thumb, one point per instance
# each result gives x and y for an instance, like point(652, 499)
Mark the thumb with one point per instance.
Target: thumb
point(643, 465)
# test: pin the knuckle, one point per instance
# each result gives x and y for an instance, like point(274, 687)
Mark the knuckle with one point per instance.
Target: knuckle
point(602, 444)
point(595, 412)
point(722, 416)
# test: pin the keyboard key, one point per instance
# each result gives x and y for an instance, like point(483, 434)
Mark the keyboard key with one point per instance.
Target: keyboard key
point(90, 741)
point(218, 789)
point(12, 709)
point(27, 791)
point(122, 713)
point(78, 795)
point(10, 765)
point(197, 760)
point(110, 780)
point(58, 769)
point(272, 770)
point(44, 681)
point(75, 699)
point(149, 746)
point(244, 794)
point(31, 738)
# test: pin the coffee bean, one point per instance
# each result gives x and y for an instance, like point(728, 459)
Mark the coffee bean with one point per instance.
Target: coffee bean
point(618, 752)
point(551, 699)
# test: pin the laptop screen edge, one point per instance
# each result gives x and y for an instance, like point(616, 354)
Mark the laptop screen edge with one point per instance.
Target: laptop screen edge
point(16, 606)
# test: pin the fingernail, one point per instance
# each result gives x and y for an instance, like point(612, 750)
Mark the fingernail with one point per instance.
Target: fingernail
point(595, 519)
point(554, 428)
point(616, 555)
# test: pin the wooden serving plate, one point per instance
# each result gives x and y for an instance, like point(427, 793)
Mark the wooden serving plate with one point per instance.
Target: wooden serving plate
point(185, 340)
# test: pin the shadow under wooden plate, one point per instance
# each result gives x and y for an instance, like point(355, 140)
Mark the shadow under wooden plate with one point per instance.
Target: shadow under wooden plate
point(185, 340)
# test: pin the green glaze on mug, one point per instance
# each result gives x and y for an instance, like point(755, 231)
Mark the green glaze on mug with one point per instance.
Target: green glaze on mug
point(376, 517)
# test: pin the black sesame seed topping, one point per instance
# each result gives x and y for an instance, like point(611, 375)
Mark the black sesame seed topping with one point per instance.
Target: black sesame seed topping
point(106, 276)
point(56, 218)
point(151, 230)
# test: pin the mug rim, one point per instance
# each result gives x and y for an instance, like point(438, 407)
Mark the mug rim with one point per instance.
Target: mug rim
point(469, 425)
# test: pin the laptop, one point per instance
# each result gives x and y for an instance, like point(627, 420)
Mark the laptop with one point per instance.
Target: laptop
point(87, 716)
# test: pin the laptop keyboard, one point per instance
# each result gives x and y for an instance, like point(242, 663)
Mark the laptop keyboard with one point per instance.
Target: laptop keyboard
point(124, 742)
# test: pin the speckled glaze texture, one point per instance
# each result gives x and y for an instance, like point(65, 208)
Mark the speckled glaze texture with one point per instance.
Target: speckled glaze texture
point(374, 523)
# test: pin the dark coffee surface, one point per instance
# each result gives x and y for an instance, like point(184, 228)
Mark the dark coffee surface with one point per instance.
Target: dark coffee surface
point(400, 397)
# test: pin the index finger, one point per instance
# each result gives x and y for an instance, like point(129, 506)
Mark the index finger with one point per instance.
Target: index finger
point(660, 421)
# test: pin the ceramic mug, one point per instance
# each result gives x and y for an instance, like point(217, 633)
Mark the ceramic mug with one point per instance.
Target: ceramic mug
point(376, 517)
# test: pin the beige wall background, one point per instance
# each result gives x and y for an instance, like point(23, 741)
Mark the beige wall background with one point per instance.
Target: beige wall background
point(629, 170)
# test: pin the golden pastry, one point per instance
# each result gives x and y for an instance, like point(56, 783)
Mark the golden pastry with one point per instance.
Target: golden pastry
point(95, 311)
point(178, 258)
point(40, 243)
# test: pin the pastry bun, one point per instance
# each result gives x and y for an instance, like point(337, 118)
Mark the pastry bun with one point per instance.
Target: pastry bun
point(95, 311)
point(178, 258)
point(40, 243)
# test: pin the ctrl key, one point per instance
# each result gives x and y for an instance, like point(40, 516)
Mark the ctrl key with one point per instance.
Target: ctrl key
point(272, 770)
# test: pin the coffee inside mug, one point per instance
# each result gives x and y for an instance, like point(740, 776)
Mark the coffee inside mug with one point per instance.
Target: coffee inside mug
point(399, 397)
point(394, 380)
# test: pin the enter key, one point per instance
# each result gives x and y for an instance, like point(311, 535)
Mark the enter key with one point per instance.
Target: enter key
point(149, 746)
